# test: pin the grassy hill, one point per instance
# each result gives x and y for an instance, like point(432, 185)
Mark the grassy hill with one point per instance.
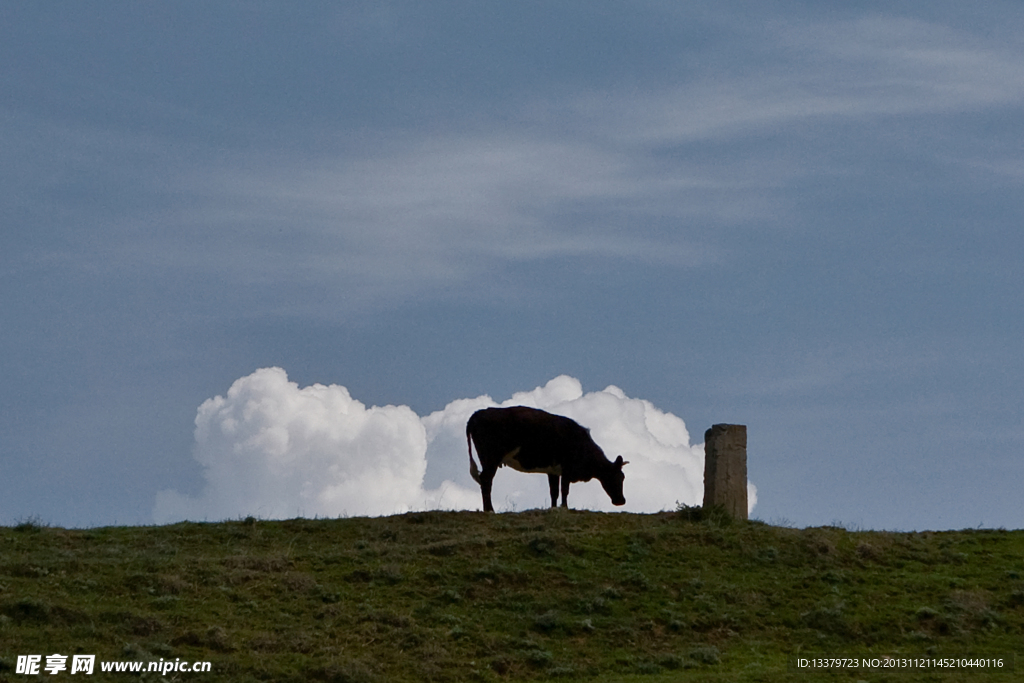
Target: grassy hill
point(539, 595)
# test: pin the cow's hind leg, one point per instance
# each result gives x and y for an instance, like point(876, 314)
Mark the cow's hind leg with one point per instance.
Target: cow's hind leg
point(565, 491)
point(553, 481)
point(486, 479)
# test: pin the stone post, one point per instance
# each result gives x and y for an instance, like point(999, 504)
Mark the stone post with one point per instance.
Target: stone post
point(725, 469)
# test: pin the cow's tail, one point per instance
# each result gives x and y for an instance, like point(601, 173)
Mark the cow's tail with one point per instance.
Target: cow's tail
point(473, 471)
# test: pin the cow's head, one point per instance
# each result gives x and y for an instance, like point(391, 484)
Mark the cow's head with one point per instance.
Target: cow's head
point(612, 480)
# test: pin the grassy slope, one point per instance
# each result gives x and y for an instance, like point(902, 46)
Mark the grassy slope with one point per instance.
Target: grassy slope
point(529, 596)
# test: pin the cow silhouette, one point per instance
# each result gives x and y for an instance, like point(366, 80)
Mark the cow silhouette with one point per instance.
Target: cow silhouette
point(532, 440)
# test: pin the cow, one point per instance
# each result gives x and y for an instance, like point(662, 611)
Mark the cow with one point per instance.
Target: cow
point(531, 440)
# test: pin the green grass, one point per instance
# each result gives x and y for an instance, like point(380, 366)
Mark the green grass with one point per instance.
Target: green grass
point(539, 595)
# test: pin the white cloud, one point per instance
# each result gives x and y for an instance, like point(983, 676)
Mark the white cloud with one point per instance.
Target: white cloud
point(275, 450)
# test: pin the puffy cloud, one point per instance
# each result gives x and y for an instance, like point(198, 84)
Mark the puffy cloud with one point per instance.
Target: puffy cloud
point(275, 450)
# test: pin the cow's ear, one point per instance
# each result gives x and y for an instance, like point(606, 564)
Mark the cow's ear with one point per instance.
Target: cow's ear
point(619, 462)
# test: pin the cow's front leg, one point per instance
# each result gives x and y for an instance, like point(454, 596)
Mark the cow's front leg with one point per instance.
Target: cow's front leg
point(553, 481)
point(565, 491)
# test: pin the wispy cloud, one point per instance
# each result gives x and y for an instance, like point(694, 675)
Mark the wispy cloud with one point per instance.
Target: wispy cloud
point(498, 197)
point(608, 174)
point(841, 71)
point(444, 207)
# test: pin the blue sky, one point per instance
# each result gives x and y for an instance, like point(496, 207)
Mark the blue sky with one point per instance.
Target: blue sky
point(802, 217)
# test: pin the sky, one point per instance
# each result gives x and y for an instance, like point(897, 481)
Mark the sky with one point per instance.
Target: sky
point(265, 258)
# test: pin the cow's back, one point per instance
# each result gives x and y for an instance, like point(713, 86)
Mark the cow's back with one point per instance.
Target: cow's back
point(542, 438)
point(521, 423)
